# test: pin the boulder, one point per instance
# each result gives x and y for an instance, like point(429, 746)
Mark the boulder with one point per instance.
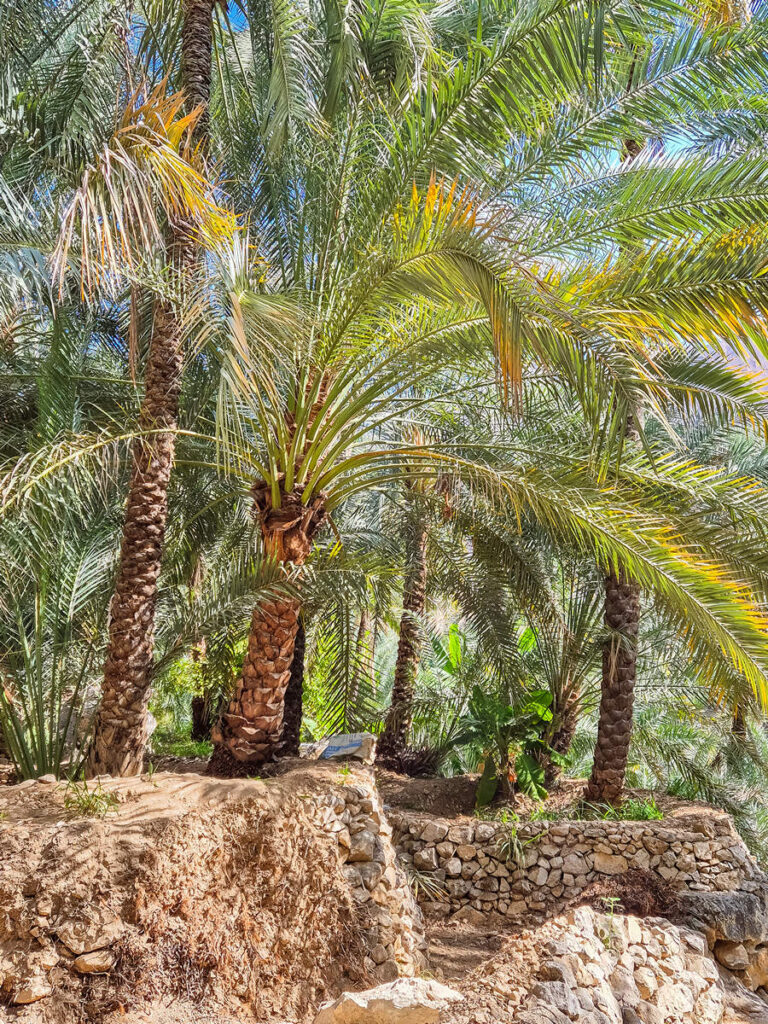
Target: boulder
point(405, 1001)
point(732, 955)
point(737, 916)
point(94, 928)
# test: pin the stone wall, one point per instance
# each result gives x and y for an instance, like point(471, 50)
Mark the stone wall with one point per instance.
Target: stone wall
point(241, 883)
point(587, 967)
point(516, 870)
point(393, 922)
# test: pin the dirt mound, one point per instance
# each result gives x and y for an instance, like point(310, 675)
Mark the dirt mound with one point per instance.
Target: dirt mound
point(635, 892)
point(191, 889)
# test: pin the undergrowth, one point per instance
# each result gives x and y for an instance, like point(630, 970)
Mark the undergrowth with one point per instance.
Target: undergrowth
point(90, 802)
point(171, 743)
point(634, 809)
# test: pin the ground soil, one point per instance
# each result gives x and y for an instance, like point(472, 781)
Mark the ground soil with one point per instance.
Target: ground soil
point(198, 891)
point(226, 889)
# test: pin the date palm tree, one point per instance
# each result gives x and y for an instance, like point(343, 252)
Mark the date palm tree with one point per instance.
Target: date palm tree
point(433, 237)
point(119, 737)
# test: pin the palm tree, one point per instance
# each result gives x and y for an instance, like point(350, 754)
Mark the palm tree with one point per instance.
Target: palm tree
point(320, 207)
point(398, 722)
point(124, 176)
point(622, 602)
point(119, 737)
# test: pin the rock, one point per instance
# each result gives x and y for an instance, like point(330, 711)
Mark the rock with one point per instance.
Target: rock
point(574, 864)
point(756, 974)
point(466, 851)
point(434, 832)
point(48, 780)
point(405, 1001)
point(362, 846)
point(96, 928)
point(470, 916)
point(732, 955)
point(737, 916)
point(557, 970)
point(100, 961)
point(646, 982)
point(453, 867)
point(624, 987)
point(649, 1014)
point(426, 859)
point(461, 834)
point(31, 990)
point(557, 994)
point(674, 1000)
point(484, 831)
point(610, 864)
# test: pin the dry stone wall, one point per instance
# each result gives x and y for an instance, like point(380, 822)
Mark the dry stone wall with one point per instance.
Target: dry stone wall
point(393, 923)
point(516, 870)
point(594, 968)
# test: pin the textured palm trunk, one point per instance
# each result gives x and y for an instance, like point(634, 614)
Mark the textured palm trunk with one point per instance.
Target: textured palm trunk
point(363, 657)
point(398, 723)
point(120, 731)
point(120, 734)
point(562, 737)
point(249, 733)
point(614, 729)
point(294, 697)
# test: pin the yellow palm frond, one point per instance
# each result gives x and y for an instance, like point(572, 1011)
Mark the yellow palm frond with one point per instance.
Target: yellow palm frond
point(147, 176)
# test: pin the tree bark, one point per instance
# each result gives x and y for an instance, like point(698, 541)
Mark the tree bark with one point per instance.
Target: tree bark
point(120, 733)
point(248, 733)
point(363, 656)
point(614, 729)
point(398, 723)
point(562, 737)
point(294, 697)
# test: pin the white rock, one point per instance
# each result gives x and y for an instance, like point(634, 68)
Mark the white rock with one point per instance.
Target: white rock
point(98, 962)
point(610, 864)
point(405, 1001)
point(95, 928)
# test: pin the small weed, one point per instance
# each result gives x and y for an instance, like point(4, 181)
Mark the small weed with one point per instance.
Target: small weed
point(424, 885)
point(631, 810)
point(150, 774)
point(345, 771)
point(612, 905)
point(543, 813)
point(3, 816)
point(503, 814)
point(92, 803)
point(641, 810)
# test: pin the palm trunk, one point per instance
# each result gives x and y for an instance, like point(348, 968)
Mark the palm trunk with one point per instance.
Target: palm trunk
point(614, 729)
point(120, 733)
point(249, 731)
point(562, 737)
point(398, 724)
point(294, 697)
